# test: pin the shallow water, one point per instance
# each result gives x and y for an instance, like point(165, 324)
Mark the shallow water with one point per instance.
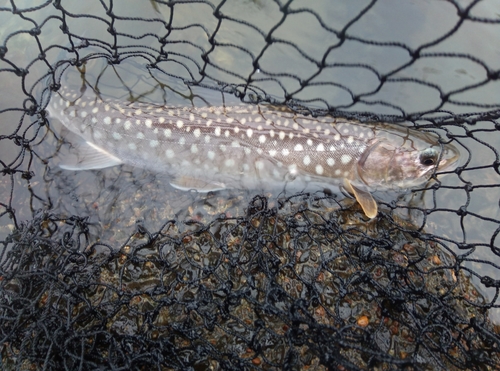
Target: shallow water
point(115, 199)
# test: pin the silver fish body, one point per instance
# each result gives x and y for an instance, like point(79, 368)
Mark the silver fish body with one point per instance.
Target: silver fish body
point(247, 146)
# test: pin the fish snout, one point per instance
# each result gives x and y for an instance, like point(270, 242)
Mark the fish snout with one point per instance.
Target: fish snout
point(449, 159)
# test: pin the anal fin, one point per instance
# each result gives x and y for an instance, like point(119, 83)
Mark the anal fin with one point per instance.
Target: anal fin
point(87, 156)
point(187, 183)
point(364, 198)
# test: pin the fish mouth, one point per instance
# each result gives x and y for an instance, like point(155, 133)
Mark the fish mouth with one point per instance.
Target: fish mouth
point(449, 159)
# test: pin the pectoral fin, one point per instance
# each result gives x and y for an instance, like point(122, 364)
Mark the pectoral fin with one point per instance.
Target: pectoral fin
point(364, 198)
point(187, 183)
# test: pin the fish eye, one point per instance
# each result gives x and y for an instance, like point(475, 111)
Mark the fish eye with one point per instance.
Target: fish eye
point(429, 157)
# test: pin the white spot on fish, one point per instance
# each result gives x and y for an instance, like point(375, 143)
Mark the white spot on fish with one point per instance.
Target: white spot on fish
point(262, 139)
point(222, 147)
point(138, 112)
point(229, 120)
point(345, 159)
point(247, 150)
point(182, 141)
point(282, 135)
point(97, 134)
point(167, 133)
point(319, 169)
point(211, 155)
point(229, 162)
point(153, 143)
point(336, 137)
point(148, 123)
point(235, 144)
point(140, 135)
point(83, 114)
point(207, 139)
point(95, 110)
point(170, 153)
point(217, 131)
point(107, 120)
point(249, 133)
point(271, 133)
point(132, 146)
point(309, 142)
point(161, 120)
point(197, 132)
point(330, 161)
point(194, 148)
point(320, 147)
point(259, 165)
point(350, 140)
point(72, 113)
point(117, 136)
point(298, 147)
point(180, 124)
point(106, 107)
point(285, 152)
point(226, 133)
point(307, 160)
point(127, 125)
point(272, 152)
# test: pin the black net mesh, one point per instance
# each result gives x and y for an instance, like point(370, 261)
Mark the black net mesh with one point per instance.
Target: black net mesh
point(114, 269)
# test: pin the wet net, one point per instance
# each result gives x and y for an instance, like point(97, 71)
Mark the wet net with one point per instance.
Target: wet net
point(113, 269)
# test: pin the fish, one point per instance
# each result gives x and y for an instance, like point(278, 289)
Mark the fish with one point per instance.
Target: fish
point(249, 146)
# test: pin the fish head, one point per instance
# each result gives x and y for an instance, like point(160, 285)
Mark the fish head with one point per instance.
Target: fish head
point(403, 160)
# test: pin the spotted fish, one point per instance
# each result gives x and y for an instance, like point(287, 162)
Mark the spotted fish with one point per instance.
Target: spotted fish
point(250, 146)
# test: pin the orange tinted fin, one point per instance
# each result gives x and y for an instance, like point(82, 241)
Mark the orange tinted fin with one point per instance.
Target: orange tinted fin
point(364, 198)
